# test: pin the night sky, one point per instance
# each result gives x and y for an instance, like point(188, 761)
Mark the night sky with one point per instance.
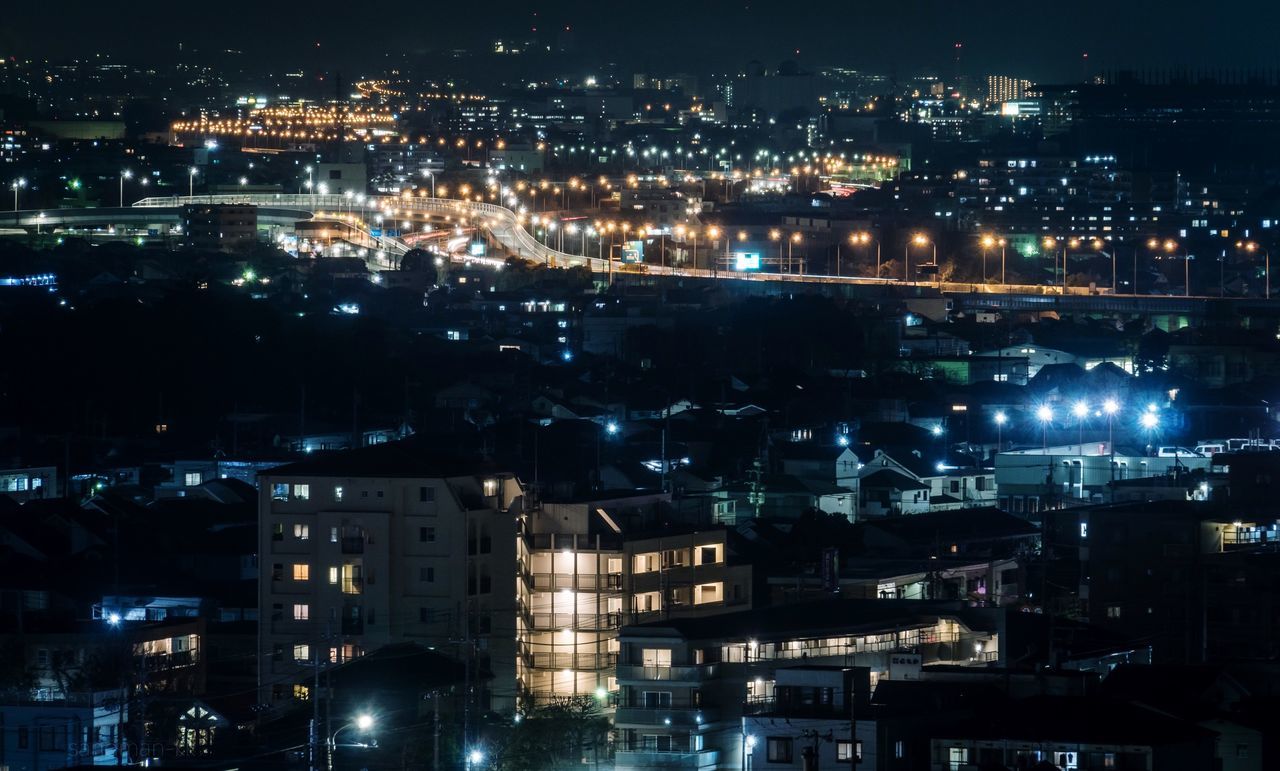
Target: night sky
point(1036, 39)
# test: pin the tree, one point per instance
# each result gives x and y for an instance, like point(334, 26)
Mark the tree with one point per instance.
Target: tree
point(554, 736)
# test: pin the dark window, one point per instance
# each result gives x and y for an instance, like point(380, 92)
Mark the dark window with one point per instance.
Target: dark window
point(426, 494)
point(277, 531)
point(657, 699)
point(779, 749)
point(24, 737)
point(427, 534)
point(427, 574)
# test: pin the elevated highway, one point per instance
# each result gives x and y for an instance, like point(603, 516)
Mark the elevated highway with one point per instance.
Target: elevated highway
point(503, 226)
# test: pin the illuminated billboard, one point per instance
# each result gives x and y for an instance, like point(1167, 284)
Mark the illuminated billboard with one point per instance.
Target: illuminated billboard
point(633, 251)
point(477, 249)
point(746, 260)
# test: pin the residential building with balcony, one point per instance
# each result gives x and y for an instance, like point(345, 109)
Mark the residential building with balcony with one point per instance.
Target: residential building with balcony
point(587, 568)
point(683, 683)
point(385, 544)
point(809, 715)
point(75, 729)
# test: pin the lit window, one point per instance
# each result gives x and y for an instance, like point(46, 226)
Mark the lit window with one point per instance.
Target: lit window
point(193, 478)
point(301, 692)
point(302, 492)
point(302, 532)
point(280, 491)
point(337, 494)
point(490, 488)
point(846, 752)
point(333, 575)
point(302, 652)
point(301, 612)
point(1113, 611)
point(301, 571)
point(333, 535)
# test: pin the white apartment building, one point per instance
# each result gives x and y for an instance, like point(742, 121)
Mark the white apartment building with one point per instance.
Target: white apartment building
point(590, 567)
point(379, 545)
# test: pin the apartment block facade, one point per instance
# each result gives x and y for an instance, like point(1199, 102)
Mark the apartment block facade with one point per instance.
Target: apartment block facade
point(588, 568)
point(362, 549)
point(685, 686)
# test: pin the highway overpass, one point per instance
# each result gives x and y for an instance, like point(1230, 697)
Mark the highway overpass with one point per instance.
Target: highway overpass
point(504, 228)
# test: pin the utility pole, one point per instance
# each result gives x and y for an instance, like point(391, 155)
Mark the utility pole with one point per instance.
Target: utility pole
point(435, 744)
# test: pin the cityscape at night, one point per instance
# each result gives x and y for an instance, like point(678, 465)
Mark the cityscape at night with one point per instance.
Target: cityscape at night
point(640, 387)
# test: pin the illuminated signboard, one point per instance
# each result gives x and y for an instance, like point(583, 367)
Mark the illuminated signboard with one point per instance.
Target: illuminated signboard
point(477, 249)
point(746, 260)
point(633, 251)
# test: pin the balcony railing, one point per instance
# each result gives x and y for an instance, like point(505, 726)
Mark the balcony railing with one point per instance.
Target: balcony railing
point(789, 709)
point(156, 662)
point(587, 582)
point(684, 674)
point(651, 758)
point(664, 716)
point(576, 661)
point(559, 542)
point(585, 622)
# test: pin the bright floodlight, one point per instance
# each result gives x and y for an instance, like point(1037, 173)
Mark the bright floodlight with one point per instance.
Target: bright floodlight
point(1080, 409)
point(1110, 406)
point(1150, 420)
point(113, 619)
point(476, 756)
point(1151, 407)
point(1001, 418)
point(602, 694)
point(1044, 413)
point(364, 722)
point(936, 430)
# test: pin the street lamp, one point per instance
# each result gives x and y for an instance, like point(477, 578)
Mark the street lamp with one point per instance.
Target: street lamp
point(987, 242)
point(1248, 246)
point(1110, 407)
point(191, 182)
point(1081, 410)
point(919, 239)
point(362, 723)
point(126, 174)
point(17, 185)
point(1044, 413)
point(1000, 418)
point(795, 239)
point(1171, 247)
point(865, 238)
point(1149, 421)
